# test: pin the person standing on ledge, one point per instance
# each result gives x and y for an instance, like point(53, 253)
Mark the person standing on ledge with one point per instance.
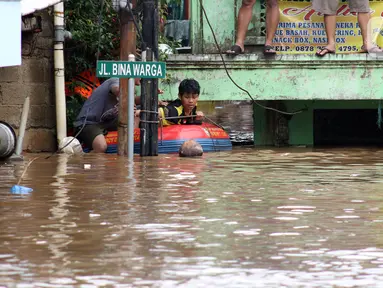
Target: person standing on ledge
point(329, 8)
point(244, 17)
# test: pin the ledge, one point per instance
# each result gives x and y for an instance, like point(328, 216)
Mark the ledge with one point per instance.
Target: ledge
point(284, 77)
point(258, 60)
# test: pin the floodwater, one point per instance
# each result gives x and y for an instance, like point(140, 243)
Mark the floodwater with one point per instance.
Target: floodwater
point(246, 218)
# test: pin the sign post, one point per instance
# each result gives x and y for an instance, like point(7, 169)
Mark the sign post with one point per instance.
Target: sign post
point(130, 144)
point(127, 69)
point(130, 70)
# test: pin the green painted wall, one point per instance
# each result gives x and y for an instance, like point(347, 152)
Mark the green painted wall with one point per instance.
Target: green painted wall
point(222, 17)
point(287, 77)
point(334, 81)
point(283, 77)
point(301, 125)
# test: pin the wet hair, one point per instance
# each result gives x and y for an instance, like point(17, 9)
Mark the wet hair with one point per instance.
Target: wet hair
point(189, 86)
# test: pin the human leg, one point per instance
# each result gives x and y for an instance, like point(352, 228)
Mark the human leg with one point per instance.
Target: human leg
point(328, 8)
point(272, 21)
point(362, 7)
point(244, 17)
point(99, 144)
point(93, 137)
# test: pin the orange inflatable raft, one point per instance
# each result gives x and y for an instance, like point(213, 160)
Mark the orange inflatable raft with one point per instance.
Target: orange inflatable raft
point(170, 138)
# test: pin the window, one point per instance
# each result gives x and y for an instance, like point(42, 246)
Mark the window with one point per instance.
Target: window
point(177, 25)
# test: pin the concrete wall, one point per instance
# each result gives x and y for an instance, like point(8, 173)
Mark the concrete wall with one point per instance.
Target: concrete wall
point(285, 77)
point(222, 17)
point(35, 77)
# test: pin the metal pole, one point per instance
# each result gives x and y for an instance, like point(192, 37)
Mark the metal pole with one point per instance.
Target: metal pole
point(23, 126)
point(144, 116)
point(59, 72)
point(130, 108)
point(149, 132)
point(154, 94)
point(146, 106)
point(127, 47)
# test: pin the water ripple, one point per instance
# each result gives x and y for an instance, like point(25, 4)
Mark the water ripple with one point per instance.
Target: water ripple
point(251, 217)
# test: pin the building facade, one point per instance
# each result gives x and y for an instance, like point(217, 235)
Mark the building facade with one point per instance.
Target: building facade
point(34, 77)
point(295, 79)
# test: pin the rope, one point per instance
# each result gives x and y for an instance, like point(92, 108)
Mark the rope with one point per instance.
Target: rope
point(214, 123)
point(180, 117)
point(134, 20)
point(147, 121)
point(122, 125)
point(147, 111)
point(211, 137)
point(190, 116)
point(26, 168)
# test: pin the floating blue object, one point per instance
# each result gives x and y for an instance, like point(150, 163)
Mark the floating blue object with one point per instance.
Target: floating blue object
point(20, 190)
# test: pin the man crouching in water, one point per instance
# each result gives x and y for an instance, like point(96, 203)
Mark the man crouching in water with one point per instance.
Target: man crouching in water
point(184, 109)
point(99, 115)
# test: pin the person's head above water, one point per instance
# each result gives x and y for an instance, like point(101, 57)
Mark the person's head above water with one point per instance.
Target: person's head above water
point(188, 93)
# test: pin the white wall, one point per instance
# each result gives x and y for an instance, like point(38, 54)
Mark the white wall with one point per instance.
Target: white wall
point(10, 21)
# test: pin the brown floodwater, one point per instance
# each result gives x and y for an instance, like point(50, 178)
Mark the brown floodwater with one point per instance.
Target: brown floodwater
point(248, 218)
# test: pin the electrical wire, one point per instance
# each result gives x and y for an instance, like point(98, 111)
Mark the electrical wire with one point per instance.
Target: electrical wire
point(134, 20)
point(235, 83)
